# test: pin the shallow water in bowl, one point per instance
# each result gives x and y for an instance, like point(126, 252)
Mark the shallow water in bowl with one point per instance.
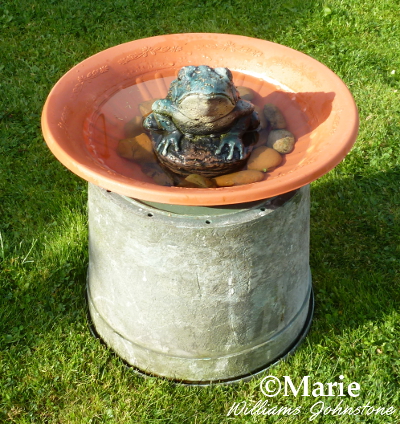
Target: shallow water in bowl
point(104, 127)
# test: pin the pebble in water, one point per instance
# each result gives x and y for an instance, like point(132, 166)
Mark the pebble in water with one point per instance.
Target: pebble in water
point(197, 181)
point(264, 159)
point(274, 117)
point(246, 93)
point(159, 176)
point(239, 178)
point(281, 140)
point(125, 148)
point(137, 148)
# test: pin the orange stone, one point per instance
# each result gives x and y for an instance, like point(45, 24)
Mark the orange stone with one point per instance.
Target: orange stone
point(239, 178)
point(199, 181)
point(138, 148)
point(264, 159)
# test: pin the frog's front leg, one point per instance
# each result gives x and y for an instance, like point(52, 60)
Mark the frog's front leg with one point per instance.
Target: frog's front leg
point(168, 139)
point(234, 137)
point(158, 122)
point(233, 140)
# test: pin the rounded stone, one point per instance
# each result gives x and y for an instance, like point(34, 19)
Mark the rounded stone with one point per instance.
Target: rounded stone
point(125, 148)
point(137, 148)
point(159, 175)
point(281, 140)
point(245, 93)
point(197, 181)
point(264, 159)
point(274, 117)
point(239, 178)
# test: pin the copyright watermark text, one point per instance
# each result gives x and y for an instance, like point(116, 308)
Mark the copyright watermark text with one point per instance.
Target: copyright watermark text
point(272, 386)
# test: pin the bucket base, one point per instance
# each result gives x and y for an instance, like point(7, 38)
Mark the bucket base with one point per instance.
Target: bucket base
point(235, 380)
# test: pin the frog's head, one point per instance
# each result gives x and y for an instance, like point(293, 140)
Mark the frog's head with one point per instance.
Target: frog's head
point(203, 93)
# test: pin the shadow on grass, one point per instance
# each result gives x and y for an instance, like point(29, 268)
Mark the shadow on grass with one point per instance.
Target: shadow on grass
point(355, 258)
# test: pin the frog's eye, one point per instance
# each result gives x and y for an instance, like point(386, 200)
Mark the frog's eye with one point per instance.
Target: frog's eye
point(186, 72)
point(224, 73)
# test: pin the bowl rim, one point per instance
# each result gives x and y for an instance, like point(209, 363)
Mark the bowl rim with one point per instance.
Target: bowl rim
point(346, 133)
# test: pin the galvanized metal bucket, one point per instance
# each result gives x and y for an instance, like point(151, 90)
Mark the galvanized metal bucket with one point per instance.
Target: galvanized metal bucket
point(200, 294)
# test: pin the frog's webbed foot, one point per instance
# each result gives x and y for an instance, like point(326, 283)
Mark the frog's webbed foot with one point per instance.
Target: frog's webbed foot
point(233, 141)
point(166, 141)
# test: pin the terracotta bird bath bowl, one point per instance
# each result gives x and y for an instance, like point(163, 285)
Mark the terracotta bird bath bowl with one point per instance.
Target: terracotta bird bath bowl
point(85, 113)
point(198, 284)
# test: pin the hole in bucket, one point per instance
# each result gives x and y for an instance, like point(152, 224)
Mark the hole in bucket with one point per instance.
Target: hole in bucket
point(262, 209)
point(208, 221)
point(108, 191)
point(150, 214)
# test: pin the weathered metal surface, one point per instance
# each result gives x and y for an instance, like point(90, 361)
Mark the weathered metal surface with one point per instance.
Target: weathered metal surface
point(199, 298)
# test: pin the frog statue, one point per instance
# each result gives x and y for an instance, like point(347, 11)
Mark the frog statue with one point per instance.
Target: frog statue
point(202, 126)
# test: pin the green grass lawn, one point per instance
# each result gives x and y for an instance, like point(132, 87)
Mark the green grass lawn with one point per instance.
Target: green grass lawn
point(51, 369)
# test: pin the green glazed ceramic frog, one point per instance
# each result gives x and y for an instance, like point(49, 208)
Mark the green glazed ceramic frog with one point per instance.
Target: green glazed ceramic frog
point(201, 102)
